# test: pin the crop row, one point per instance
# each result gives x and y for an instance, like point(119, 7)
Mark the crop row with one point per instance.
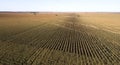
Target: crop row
point(66, 44)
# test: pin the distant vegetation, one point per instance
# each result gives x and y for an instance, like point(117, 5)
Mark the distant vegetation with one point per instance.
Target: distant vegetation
point(34, 13)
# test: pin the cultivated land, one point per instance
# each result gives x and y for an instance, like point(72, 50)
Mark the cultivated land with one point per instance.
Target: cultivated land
point(60, 39)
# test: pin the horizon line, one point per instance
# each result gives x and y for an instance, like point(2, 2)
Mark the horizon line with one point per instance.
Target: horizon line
point(62, 11)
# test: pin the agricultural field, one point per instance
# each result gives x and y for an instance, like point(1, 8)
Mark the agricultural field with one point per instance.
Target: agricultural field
point(59, 38)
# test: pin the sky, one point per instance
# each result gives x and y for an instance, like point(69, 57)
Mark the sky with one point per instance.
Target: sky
point(61, 5)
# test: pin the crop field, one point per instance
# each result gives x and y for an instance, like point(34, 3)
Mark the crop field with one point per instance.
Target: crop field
point(59, 38)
